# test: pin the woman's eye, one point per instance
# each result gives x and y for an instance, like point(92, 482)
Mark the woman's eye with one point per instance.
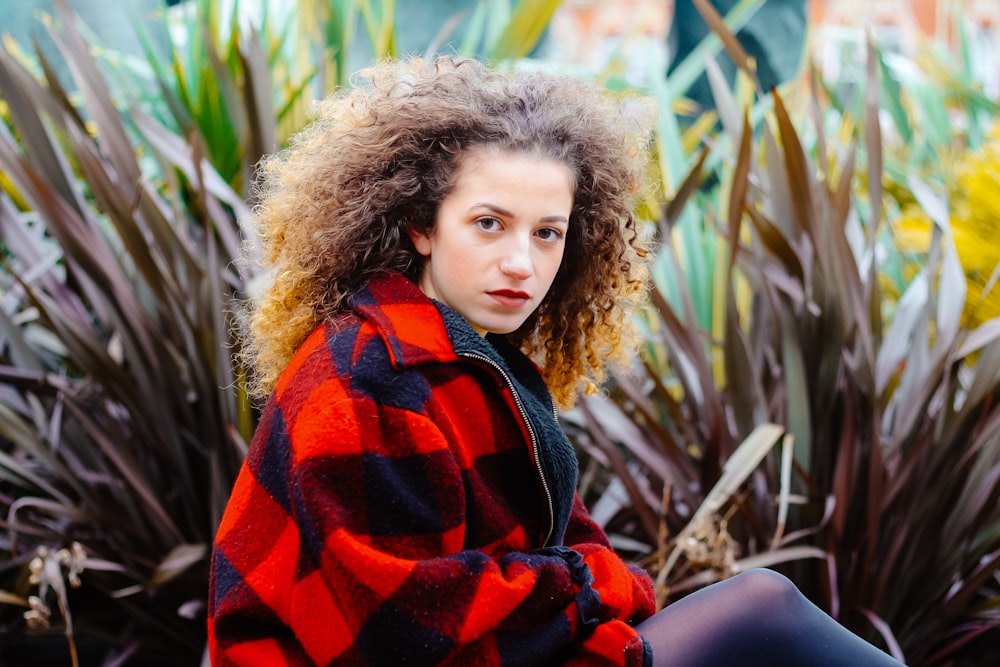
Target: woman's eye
point(488, 224)
point(549, 234)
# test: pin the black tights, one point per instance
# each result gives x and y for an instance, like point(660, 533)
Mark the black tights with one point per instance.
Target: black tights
point(757, 618)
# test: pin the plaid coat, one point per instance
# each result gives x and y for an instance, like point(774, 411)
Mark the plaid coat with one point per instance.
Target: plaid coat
point(408, 497)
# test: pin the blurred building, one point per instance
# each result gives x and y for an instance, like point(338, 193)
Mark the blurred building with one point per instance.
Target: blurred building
point(905, 27)
point(589, 33)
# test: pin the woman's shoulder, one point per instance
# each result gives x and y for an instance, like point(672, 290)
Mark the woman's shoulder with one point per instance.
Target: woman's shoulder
point(313, 362)
point(361, 357)
point(388, 339)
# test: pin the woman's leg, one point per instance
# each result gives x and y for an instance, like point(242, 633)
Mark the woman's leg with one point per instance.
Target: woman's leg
point(756, 618)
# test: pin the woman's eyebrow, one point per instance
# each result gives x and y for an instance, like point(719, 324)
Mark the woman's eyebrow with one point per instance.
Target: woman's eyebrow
point(495, 208)
point(500, 210)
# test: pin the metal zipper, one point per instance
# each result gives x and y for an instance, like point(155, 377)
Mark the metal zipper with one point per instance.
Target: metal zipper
point(531, 434)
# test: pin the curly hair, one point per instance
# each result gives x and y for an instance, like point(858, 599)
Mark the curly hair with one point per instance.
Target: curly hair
point(381, 155)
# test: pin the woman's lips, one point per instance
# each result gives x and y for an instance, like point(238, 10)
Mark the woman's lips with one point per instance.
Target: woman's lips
point(509, 298)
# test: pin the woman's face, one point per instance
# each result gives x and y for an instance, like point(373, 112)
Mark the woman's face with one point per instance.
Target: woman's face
point(498, 238)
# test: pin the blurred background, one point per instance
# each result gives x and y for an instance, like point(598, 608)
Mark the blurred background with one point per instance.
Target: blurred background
point(817, 388)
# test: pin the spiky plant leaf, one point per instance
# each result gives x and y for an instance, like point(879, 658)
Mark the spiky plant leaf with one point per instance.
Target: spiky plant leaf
point(888, 514)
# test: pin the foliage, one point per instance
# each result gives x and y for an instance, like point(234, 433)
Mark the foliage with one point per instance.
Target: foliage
point(123, 424)
point(962, 161)
point(785, 411)
point(940, 130)
point(122, 418)
point(879, 493)
point(973, 216)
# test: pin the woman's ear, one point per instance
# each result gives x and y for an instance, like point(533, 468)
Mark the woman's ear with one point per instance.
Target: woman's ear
point(421, 239)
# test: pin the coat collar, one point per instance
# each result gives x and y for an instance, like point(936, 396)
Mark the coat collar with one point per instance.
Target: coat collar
point(409, 322)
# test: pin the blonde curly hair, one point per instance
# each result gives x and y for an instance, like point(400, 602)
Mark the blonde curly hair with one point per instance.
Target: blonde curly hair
point(334, 207)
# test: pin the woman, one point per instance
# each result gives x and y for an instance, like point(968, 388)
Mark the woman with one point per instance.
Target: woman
point(449, 248)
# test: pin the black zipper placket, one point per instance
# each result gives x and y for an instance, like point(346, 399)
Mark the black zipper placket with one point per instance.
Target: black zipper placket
point(531, 434)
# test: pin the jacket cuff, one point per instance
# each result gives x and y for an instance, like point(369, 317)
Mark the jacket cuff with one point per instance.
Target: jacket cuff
point(613, 644)
point(647, 653)
point(588, 599)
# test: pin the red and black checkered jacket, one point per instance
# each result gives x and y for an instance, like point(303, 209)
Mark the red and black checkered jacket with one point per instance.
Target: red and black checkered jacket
point(409, 498)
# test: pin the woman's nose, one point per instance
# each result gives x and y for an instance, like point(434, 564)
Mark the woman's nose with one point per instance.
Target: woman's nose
point(517, 263)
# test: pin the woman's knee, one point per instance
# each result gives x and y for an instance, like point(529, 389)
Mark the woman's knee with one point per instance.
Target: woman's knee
point(767, 588)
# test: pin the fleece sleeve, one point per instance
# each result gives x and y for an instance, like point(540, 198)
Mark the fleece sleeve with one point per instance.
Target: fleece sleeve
point(627, 591)
point(348, 550)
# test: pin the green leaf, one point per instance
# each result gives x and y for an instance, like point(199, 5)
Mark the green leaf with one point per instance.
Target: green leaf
point(892, 98)
point(689, 69)
point(527, 23)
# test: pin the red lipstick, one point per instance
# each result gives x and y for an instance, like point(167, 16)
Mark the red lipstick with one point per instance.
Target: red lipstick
point(510, 298)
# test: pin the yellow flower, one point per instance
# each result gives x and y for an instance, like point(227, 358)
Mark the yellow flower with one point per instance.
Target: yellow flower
point(975, 220)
